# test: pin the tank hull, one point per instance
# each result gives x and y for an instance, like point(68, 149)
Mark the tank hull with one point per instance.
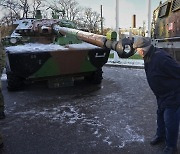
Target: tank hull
point(45, 64)
point(43, 49)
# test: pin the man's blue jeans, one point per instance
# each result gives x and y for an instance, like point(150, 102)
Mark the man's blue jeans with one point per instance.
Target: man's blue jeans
point(168, 125)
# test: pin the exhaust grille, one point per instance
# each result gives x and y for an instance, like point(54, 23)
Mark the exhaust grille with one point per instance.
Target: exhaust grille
point(176, 5)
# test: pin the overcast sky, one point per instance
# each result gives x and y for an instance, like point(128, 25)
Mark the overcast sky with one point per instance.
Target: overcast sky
point(127, 9)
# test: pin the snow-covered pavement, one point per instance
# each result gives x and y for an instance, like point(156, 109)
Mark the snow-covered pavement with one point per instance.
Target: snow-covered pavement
point(118, 116)
point(135, 63)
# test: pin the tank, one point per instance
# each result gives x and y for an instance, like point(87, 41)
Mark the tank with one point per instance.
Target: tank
point(166, 27)
point(55, 51)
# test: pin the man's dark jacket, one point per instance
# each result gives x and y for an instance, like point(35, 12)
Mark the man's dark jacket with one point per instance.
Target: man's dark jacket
point(163, 76)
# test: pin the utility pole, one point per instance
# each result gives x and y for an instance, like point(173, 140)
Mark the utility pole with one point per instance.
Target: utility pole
point(149, 18)
point(101, 20)
point(117, 28)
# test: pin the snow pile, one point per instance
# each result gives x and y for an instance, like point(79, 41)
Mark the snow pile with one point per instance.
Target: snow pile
point(64, 114)
point(83, 45)
point(130, 135)
point(127, 62)
point(22, 24)
point(35, 47)
point(4, 77)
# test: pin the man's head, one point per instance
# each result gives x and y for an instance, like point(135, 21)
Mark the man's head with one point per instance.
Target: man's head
point(142, 45)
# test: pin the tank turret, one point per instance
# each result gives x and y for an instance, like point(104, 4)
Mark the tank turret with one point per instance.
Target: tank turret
point(48, 30)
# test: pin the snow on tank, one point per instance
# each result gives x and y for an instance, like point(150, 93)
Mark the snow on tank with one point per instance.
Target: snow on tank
point(37, 47)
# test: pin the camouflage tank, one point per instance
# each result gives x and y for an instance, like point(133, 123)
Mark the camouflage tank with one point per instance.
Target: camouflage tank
point(166, 27)
point(55, 51)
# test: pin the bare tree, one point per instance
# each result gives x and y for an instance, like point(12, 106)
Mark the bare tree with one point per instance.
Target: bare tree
point(6, 26)
point(37, 5)
point(85, 18)
point(11, 7)
point(92, 20)
point(29, 7)
point(26, 7)
point(68, 9)
point(6, 20)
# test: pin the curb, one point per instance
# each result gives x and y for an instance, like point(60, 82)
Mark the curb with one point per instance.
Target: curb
point(124, 65)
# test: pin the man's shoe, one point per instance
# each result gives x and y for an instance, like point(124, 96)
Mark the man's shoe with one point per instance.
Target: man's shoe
point(169, 150)
point(2, 115)
point(157, 140)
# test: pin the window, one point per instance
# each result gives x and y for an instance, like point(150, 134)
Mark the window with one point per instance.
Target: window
point(164, 9)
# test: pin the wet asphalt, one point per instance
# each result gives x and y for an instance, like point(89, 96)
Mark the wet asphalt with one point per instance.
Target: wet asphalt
point(116, 117)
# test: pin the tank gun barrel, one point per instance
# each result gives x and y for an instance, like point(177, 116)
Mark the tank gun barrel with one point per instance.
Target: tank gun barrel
point(99, 40)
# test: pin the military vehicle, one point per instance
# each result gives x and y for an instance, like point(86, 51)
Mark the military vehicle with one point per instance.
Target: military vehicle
point(55, 51)
point(166, 27)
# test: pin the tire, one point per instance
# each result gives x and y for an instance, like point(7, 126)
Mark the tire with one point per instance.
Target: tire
point(95, 77)
point(14, 82)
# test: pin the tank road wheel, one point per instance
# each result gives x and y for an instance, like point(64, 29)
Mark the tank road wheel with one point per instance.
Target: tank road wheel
point(14, 82)
point(95, 77)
